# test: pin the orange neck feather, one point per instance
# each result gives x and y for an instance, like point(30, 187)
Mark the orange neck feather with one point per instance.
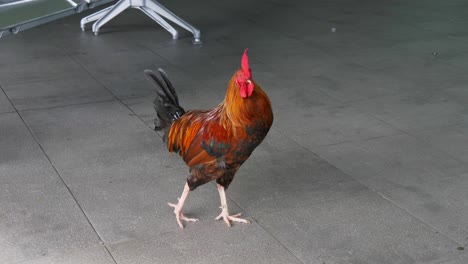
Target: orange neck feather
point(237, 112)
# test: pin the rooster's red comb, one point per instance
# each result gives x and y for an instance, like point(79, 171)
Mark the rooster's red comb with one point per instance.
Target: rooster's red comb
point(245, 64)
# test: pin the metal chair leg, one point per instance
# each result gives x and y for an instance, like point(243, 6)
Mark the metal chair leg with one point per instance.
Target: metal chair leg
point(158, 19)
point(163, 11)
point(93, 17)
point(113, 12)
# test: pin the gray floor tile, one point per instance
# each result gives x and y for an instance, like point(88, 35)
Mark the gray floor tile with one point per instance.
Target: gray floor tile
point(206, 244)
point(373, 48)
point(38, 215)
point(131, 30)
point(304, 25)
point(204, 95)
point(136, 207)
point(380, 58)
point(143, 107)
point(201, 18)
point(31, 45)
point(415, 112)
point(438, 202)
point(236, 8)
point(362, 229)
point(92, 255)
point(206, 62)
point(461, 259)
point(445, 49)
point(377, 25)
point(5, 105)
point(392, 162)
point(420, 179)
point(120, 62)
point(77, 43)
point(351, 83)
point(268, 47)
point(41, 69)
point(96, 142)
point(342, 42)
point(21, 159)
point(300, 65)
point(318, 126)
point(424, 77)
point(281, 174)
point(122, 71)
point(56, 93)
point(40, 220)
point(291, 93)
point(126, 85)
point(452, 27)
point(275, 145)
point(452, 139)
point(457, 93)
point(458, 60)
point(229, 31)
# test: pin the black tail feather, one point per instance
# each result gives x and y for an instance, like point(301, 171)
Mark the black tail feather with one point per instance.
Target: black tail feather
point(170, 86)
point(166, 102)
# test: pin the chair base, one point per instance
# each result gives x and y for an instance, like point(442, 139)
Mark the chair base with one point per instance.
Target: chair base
point(151, 8)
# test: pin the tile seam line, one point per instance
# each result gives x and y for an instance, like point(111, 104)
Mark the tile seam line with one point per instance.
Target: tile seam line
point(155, 52)
point(399, 133)
point(388, 200)
point(61, 178)
point(115, 96)
point(266, 231)
point(82, 184)
point(9, 112)
point(433, 128)
point(72, 104)
point(67, 105)
point(413, 133)
point(425, 223)
point(379, 119)
point(28, 260)
point(428, 143)
point(129, 109)
point(392, 204)
point(40, 80)
point(313, 203)
point(143, 239)
point(402, 130)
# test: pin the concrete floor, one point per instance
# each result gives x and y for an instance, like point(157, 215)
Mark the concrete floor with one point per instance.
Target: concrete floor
point(367, 161)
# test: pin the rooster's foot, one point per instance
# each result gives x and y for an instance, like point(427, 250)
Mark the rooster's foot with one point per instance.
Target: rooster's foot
point(228, 218)
point(180, 216)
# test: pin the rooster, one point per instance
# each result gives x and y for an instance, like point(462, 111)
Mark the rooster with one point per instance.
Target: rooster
point(213, 143)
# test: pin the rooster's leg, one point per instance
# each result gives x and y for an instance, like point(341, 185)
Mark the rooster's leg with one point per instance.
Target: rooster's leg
point(225, 212)
point(178, 207)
